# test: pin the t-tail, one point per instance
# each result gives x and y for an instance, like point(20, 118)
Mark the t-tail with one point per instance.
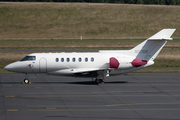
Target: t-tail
point(143, 55)
point(150, 48)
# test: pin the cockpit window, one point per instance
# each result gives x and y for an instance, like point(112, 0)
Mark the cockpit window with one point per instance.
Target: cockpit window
point(29, 58)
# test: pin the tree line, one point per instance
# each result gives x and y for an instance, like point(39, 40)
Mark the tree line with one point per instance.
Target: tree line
point(156, 2)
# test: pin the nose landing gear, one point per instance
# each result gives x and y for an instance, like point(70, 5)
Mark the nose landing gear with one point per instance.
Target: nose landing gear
point(26, 80)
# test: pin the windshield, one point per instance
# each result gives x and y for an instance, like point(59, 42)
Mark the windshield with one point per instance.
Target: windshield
point(29, 58)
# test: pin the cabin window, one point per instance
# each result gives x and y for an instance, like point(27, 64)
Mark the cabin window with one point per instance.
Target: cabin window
point(74, 59)
point(57, 59)
point(79, 59)
point(29, 58)
point(92, 59)
point(67, 59)
point(62, 59)
point(86, 59)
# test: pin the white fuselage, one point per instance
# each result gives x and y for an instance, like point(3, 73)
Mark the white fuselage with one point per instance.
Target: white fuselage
point(72, 63)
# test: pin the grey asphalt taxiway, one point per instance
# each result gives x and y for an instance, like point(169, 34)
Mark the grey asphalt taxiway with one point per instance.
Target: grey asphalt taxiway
point(135, 96)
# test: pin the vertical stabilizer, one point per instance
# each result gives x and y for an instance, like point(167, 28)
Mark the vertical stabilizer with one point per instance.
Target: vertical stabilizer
point(149, 49)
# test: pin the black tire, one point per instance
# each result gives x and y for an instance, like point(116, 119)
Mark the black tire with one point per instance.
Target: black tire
point(99, 81)
point(26, 81)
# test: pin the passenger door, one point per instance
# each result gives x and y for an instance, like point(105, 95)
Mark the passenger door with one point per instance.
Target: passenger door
point(43, 65)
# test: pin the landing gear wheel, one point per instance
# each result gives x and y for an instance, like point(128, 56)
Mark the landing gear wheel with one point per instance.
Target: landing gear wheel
point(26, 81)
point(99, 81)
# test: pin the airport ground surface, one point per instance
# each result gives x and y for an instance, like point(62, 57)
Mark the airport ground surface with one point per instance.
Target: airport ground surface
point(135, 96)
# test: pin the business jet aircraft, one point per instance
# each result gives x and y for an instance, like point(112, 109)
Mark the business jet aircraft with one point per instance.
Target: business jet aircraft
point(97, 65)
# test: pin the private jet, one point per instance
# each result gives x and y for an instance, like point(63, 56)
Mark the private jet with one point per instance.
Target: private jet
point(95, 65)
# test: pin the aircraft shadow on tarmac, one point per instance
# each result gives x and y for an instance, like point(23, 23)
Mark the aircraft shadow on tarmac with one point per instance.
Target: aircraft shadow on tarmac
point(111, 118)
point(94, 83)
point(75, 83)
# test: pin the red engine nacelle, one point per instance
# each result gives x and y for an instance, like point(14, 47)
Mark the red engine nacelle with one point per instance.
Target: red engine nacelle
point(125, 63)
point(114, 63)
point(138, 62)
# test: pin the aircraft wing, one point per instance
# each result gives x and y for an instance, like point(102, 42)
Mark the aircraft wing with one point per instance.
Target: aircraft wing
point(88, 72)
point(80, 70)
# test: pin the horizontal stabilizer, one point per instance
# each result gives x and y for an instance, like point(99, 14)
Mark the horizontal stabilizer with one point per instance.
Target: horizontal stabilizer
point(161, 39)
point(163, 34)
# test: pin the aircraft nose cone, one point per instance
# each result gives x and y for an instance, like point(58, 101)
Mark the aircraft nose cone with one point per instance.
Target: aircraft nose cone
point(13, 67)
point(8, 67)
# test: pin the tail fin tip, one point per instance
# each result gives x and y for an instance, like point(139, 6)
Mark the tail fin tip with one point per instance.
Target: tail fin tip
point(164, 34)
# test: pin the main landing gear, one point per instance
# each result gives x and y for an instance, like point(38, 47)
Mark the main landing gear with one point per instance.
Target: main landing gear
point(101, 75)
point(99, 81)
